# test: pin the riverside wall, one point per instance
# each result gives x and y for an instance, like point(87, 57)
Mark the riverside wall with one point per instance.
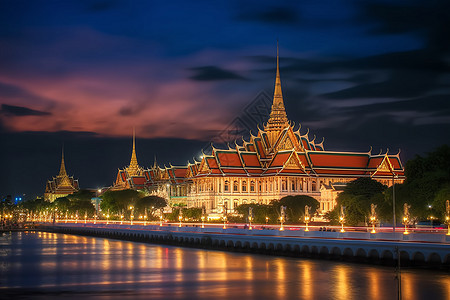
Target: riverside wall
point(415, 249)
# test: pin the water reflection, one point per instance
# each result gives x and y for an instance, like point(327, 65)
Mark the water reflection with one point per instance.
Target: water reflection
point(57, 265)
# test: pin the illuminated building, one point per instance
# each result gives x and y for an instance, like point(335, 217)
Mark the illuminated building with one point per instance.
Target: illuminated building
point(61, 185)
point(277, 162)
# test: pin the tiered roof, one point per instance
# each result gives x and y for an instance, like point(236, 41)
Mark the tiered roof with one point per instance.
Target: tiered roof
point(133, 176)
point(62, 184)
point(279, 149)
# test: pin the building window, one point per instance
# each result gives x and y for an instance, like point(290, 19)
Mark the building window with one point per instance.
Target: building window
point(284, 185)
point(235, 204)
point(244, 186)
point(227, 186)
point(235, 186)
point(252, 186)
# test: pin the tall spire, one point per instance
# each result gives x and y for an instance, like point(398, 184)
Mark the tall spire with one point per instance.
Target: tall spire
point(277, 95)
point(62, 170)
point(278, 119)
point(133, 169)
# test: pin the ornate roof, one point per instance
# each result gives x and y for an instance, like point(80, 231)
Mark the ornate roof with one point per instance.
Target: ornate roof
point(278, 149)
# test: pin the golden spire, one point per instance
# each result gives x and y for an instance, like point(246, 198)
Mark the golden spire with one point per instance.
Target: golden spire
point(133, 153)
point(64, 180)
point(278, 119)
point(62, 170)
point(133, 169)
point(277, 95)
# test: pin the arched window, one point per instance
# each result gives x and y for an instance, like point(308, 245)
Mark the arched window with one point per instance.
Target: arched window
point(235, 203)
point(252, 186)
point(235, 186)
point(227, 186)
point(284, 185)
point(244, 186)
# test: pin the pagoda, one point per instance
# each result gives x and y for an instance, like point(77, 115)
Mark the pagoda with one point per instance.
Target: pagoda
point(61, 185)
point(277, 162)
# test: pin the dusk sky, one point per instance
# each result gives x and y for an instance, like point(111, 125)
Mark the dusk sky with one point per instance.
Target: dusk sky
point(360, 74)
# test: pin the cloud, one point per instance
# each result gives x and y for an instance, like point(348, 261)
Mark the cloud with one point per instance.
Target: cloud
point(271, 15)
point(212, 73)
point(20, 111)
point(428, 19)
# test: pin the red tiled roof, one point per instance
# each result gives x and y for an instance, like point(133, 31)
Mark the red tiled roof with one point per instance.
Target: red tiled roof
point(322, 159)
point(228, 159)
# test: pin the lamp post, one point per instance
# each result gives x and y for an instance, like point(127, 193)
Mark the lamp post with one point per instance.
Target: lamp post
point(307, 216)
point(107, 218)
point(406, 217)
point(161, 217)
point(224, 217)
point(132, 214)
point(393, 202)
point(282, 217)
point(373, 216)
point(430, 207)
point(250, 217)
point(180, 216)
point(203, 215)
point(447, 215)
point(342, 218)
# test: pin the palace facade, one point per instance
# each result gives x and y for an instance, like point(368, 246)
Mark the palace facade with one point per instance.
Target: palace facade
point(61, 185)
point(277, 162)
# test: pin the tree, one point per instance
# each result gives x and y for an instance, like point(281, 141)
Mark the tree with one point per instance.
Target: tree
point(118, 202)
point(149, 203)
point(295, 207)
point(426, 178)
point(260, 213)
point(356, 198)
point(439, 202)
point(193, 213)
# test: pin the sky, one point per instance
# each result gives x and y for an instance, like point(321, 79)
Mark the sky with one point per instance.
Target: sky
point(82, 74)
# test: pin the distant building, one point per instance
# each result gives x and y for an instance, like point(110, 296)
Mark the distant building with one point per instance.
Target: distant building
point(61, 185)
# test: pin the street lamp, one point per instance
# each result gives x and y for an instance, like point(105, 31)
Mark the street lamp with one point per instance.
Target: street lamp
point(373, 216)
point(132, 214)
point(447, 215)
point(307, 216)
point(282, 217)
point(342, 218)
point(224, 217)
point(180, 216)
point(406, 217)
point(431, 215)
point(250, 218)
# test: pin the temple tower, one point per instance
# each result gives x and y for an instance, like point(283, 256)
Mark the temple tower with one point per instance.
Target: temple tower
point(278, 119)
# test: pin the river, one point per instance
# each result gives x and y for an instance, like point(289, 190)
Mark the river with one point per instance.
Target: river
point(40, 265)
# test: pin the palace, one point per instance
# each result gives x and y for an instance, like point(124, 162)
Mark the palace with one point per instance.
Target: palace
point(277, 162)
point(61, 185)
